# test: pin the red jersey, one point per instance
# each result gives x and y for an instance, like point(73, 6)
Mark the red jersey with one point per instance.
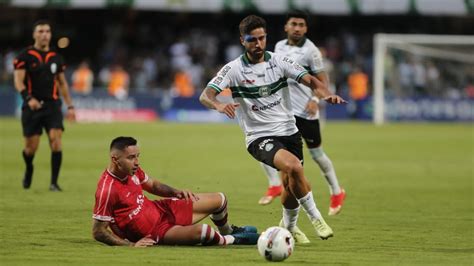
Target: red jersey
point(121, 202)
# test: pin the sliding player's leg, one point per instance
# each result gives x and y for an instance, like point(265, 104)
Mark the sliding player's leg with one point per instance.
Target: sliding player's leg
point(193, 235)
point(215, 205)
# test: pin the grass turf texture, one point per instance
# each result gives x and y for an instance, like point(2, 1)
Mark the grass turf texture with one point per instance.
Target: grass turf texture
point(410, 194)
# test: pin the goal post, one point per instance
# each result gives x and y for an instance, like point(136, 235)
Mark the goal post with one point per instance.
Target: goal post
point(439, 51)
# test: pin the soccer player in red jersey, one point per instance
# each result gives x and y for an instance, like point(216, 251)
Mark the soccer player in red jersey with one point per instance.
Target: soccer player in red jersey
point(134, 220)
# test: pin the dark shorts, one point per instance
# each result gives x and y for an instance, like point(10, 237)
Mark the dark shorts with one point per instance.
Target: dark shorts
point(174, 212)
point(48, 117)
point(264, 149)
point(310, 131)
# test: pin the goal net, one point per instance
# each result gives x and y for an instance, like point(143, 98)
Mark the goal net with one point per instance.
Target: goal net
point(423, 77)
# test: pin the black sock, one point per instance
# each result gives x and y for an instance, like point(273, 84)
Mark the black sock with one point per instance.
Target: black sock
point(56, 158)
point(29, 165)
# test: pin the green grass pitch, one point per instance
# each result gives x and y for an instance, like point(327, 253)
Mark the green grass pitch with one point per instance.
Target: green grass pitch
point(410, 194)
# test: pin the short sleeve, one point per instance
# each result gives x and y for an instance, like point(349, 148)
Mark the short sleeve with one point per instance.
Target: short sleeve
point(291, 69)
point(20, 61)
point(222, 80)
point(104, 199)
point(315, 63)
point(141, 175)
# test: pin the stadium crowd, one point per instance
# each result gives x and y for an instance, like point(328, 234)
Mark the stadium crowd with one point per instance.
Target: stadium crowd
point(176, 54)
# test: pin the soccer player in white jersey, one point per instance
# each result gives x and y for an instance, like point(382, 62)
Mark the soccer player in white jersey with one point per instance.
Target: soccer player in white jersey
point(258, 81)
point(305, 108)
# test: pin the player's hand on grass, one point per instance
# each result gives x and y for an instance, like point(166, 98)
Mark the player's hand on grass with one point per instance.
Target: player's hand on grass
point(311, 107)
point(145, 242)
point(334, 99)
point(227, 109)
point(34, 104)
point(187, 195)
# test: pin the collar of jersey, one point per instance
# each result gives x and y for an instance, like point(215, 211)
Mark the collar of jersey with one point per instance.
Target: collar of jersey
point(110, 173)
point(300, 43)
point(246, 59)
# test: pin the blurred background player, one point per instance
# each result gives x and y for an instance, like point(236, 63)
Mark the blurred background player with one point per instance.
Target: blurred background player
point(135, 220)
point(82, 79)
point(39, 78)
point(305, 107)
point(258, 81)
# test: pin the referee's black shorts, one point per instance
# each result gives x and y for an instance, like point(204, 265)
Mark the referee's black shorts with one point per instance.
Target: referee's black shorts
point(49, 116)
point(264, 149)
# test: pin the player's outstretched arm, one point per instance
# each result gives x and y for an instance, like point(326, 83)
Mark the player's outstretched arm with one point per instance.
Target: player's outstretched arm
point(101, 233)
point(321, 89)
point(208, 99)
point(312, 106)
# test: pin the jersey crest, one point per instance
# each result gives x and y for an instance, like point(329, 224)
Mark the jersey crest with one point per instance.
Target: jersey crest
point(54, 68)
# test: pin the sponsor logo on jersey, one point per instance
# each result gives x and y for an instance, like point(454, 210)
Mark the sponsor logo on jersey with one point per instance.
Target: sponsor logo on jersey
point(248, 81)
point(266, 107)
point(264, 143)
point(54, 67)
point(271, 65)
point(140, 201)
point(264, 91)
point(286, 59)
point(269, 147)
point(221, 75)
point(247, 72)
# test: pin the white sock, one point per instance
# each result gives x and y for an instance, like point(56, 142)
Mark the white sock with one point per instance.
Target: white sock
point(327, 169)
point(210, 237)
point(229, 239)
point(272, 175)
point(309, 206)
point(290, 217)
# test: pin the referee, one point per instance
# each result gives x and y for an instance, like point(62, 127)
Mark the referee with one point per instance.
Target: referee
point(39, 78)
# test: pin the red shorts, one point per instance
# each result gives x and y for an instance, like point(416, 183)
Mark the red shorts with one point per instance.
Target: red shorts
point(173, 212)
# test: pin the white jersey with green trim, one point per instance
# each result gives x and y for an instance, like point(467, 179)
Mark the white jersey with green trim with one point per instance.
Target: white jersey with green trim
point(308, 55)
point(262, 92)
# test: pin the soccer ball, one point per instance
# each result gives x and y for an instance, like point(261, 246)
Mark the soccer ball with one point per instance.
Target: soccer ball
point(276, 244)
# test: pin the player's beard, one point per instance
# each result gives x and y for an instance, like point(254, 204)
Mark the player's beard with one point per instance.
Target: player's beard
point(256, 54)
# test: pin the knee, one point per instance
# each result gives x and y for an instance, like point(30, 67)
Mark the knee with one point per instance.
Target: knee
point(221, 202)
point(293, 169)
point(55, 144)
point(30, 148)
